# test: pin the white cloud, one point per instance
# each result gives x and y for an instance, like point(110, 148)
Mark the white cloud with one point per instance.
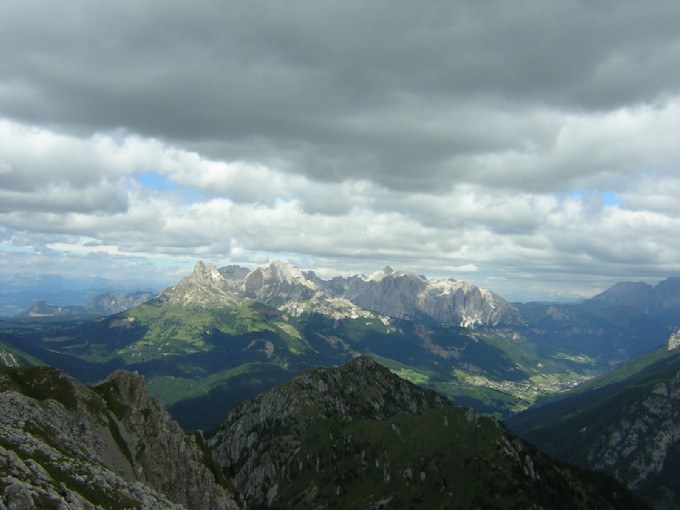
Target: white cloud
point(469, 139)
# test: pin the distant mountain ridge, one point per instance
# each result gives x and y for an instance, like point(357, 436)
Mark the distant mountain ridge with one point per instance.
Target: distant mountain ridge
point(650, 299)
point(108, 303)
point(387, 292)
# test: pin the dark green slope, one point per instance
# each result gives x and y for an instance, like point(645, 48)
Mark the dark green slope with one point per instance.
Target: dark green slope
point(11, 355)
point(625, 423)
point(360, 437)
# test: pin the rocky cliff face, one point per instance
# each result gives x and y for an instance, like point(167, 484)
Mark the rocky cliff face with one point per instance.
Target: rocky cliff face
point(636, 446)
point(357, 436)
point(65, 445)
point(448, 302)
point(625, 423)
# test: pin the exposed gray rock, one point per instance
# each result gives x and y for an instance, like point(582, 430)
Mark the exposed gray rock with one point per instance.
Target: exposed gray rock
point(7, 359)
point(65, 445)
point(163, 456)
point(204, 287)
point(674, 341)
point(387, 292)
point(410, 296)
point(277, 284)
point(635, 447)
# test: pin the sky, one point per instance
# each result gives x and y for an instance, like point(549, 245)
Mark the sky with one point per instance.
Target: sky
point(530, 147)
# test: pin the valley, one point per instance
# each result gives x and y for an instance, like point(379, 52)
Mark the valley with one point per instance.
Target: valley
point(225, 334)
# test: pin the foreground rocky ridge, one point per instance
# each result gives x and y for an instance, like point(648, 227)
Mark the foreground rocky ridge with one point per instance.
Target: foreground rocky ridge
point(360, 437)
point(66, 445)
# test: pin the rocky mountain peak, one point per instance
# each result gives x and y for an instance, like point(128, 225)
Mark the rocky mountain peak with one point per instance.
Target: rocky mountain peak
point(115, 302)
point(234, 273)
point(130, 390)
point(387, 292)
point(357, 436)
point(410, 296)
point(258, 436)
point(280, 285)
point(280, 272)
point(206, 274)
point(205, 287)
point(674, 341)
point(362, 387)
point(383, 273)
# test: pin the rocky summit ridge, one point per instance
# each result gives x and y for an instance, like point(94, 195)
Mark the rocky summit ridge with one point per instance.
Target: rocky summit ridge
point(389, 293)
point(358, 436)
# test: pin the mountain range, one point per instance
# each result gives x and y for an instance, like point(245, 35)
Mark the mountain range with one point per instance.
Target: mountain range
point(18, 293)
point(347, 437)
point(650, 299)
point(222, 336)
point(386, 292)
point(226, 334)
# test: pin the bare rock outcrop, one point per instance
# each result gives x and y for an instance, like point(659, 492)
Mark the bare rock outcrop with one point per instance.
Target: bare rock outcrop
point(66, 445)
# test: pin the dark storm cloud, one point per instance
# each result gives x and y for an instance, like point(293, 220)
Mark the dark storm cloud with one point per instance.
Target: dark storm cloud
point(335, 89)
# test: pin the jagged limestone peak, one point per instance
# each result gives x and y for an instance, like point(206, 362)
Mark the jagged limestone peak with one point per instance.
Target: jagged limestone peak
point(206, 272)
point(381, 274)
point(205, 287)
point(674, 341)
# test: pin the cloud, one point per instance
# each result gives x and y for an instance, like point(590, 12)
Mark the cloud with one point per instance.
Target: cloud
point(441, 137)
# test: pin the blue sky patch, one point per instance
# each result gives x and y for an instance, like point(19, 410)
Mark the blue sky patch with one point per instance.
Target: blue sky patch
point(155, 181)
point(609, 198)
